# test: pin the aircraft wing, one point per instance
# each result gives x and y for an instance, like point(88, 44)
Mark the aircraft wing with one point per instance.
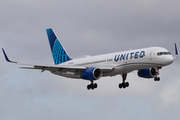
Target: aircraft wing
point(55, 67)
point(61, 67)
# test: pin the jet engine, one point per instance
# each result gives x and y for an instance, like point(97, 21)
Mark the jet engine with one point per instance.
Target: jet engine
point(148, 73)
point(92, 74)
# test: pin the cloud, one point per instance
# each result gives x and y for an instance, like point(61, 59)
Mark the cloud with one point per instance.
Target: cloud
point(170, 91)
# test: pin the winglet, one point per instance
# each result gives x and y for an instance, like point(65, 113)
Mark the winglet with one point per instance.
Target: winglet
point(7, 59)
point(176, 52)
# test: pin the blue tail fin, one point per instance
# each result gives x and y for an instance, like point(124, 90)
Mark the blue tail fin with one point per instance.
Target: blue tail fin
point(58, 52)
point(176, 49)
point(176, 52)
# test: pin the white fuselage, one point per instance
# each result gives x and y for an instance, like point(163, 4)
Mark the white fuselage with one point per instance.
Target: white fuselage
point(122, 62)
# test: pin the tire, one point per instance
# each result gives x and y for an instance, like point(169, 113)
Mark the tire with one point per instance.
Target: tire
point(124, 85)
point(127, 84)
point(120, 85)
point(92, 86)
point(88, 87)
point(95, 85)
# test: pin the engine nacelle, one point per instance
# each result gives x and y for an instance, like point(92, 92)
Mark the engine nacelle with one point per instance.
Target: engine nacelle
point(147, 73)
point(92, 74)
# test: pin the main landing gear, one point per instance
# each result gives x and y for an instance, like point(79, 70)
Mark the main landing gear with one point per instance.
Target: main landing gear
point(92, 85)
point(124, 84)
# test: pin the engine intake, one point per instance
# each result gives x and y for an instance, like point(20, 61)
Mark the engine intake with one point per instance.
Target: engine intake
point(92, 74)
point(148, 73)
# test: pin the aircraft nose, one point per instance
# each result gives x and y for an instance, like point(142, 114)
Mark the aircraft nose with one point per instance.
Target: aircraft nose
point(169, 59)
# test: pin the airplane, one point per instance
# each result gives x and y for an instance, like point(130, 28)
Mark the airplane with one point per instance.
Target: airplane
point(148, 62)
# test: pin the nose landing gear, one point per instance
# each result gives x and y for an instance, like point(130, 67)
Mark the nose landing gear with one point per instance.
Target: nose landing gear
point(157, 79)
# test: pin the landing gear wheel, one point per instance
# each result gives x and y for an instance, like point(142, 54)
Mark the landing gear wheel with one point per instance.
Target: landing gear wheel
point(95, 85)
point(157, 79)
point(92, 86)
point(127, 84)
point(88, 87)
point(123, 85)
point(120, 85)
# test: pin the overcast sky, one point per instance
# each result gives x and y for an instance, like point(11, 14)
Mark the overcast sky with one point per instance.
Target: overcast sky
point(86, 27)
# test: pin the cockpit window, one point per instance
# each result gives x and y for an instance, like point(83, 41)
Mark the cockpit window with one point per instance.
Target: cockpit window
point(163, 53)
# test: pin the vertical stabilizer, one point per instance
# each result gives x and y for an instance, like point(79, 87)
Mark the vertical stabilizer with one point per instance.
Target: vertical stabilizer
point(176, 52)
point(58, 52)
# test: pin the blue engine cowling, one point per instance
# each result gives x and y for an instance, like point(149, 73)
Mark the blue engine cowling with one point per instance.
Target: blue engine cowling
point(147, 73)
point(92, 74)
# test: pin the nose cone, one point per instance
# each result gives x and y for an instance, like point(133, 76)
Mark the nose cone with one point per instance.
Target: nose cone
point(169, 59)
